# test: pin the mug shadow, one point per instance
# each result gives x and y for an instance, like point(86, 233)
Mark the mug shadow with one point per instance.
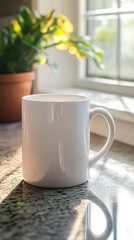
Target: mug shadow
point(31, 212)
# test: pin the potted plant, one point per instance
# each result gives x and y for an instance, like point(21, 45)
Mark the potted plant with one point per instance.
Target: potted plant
point(23, 44)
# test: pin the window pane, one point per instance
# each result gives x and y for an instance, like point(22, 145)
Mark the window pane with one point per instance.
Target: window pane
point(127, 3)
point(127, 46)
point(101, 4)
point(104, 29)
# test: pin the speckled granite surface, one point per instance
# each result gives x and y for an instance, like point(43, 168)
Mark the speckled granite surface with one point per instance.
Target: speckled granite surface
point(27, 212)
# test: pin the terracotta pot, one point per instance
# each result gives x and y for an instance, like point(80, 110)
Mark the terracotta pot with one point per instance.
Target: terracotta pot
point(12, 88)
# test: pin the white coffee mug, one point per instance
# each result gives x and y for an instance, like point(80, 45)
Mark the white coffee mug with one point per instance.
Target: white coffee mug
point(55, 139)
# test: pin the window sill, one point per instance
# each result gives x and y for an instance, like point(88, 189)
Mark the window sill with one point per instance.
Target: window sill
point(121, 107)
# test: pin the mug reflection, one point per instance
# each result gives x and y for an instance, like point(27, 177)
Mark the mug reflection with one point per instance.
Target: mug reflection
point(71, 213)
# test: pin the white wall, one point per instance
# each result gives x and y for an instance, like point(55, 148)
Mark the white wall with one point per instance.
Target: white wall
point(67, 64)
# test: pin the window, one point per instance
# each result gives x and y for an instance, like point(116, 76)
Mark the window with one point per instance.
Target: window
point(111, 23)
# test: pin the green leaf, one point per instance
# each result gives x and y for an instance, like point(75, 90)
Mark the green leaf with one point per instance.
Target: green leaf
point(96, 59)
point(11, 66)
point(21, 21)
point(53, 66)
point(27, 15)
point(3, 39)
point(33, 47)
point(85, 40)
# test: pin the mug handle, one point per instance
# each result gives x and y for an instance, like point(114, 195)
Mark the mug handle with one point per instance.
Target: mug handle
point(111, 132)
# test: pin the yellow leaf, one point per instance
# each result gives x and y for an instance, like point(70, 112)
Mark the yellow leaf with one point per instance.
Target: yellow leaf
point(42, 60)
point(15, 25)
point(68, 27)
point(61, 47)
point(72, 49)
point(80, 55)
point(58, 38)
point(65, 24)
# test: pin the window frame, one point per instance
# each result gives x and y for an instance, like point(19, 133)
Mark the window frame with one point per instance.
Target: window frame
point(100, 84)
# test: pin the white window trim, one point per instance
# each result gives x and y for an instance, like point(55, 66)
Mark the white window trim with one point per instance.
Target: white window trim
point(111, 86)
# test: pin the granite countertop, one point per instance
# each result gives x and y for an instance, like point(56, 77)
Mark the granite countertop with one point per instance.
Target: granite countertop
point(82, 212)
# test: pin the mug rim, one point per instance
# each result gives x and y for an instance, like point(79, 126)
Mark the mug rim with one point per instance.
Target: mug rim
point(37, 97)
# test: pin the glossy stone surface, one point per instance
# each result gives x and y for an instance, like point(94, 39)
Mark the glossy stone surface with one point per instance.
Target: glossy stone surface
point(28, 212)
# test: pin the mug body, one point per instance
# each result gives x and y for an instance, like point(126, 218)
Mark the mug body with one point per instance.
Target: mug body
point(55, 140)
